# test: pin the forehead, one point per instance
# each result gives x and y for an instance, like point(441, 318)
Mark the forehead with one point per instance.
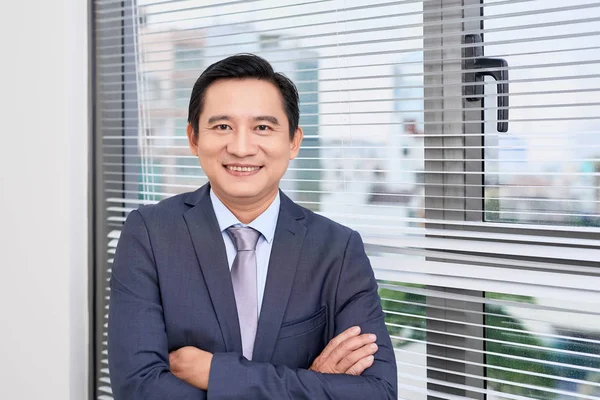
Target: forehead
point(242, 97)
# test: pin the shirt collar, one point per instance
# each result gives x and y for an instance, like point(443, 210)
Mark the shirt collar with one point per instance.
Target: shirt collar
point(265, 223)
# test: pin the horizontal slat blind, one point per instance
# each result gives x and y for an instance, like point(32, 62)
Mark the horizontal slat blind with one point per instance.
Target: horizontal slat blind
point(533, 347)
point(486, 243)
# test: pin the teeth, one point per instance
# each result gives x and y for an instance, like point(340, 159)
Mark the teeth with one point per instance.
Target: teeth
point(242, 169)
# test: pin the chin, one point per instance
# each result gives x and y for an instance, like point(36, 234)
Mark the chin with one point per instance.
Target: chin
point(241, 190)
point(242, 193)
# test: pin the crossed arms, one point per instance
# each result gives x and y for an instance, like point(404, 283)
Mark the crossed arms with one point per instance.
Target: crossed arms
point(141, 367)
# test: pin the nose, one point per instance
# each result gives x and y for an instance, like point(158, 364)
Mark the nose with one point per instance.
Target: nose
point(242, 143)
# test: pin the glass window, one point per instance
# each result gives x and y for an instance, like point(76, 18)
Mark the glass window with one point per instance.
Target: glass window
point(188, 58)
point(545, 169)
point(395, 150)
point(542, 348)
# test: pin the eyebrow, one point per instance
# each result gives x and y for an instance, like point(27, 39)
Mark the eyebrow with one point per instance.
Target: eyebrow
point(216, 118)
point(268, 118)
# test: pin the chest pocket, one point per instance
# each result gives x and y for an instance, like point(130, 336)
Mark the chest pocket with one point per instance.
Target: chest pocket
point(301, 341)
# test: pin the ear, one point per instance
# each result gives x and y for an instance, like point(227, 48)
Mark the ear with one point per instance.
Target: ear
point(295, 143)
point(192, 139)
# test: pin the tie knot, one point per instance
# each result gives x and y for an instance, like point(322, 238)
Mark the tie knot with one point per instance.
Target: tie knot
point(244, 238)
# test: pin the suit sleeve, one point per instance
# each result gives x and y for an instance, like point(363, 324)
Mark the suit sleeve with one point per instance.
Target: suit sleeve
point(137, 340)
point(357, 303)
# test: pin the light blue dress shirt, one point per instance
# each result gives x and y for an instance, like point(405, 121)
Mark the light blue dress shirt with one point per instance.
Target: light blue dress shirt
point(265, 223)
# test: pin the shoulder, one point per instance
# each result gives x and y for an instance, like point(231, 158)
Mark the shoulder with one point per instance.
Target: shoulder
point(320, 222)
point(320, 227)
point(166, 209)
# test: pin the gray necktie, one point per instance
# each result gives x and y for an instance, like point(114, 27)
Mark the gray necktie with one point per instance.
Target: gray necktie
point(243, 277)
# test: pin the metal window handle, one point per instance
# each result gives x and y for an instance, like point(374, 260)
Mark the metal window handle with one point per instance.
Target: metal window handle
point(476, 67)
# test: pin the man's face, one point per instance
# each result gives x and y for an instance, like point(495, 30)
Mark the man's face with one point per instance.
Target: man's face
point(243, 140)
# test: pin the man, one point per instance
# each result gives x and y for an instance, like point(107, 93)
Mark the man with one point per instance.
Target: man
point(234, 291)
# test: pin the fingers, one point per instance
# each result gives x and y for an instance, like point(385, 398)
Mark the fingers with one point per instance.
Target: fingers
point(339, 339)
point(349, 346)
point(349, 351)
point(360, 366)
point(350, 359)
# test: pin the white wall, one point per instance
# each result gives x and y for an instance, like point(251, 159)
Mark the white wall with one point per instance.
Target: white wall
point(43, 199)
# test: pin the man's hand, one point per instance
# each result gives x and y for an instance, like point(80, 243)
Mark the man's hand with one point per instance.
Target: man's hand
point(192, 365)
point(347, 353)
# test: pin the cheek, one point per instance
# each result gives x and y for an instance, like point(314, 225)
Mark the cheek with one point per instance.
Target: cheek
point(209, 149)
point(278, 151)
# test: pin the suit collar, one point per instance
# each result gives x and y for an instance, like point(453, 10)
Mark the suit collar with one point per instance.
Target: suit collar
point(212, 257)
point(283, 263)
point(193, 198)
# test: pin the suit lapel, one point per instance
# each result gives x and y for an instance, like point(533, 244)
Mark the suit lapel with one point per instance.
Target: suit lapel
point(212, 256)
point(285, 255)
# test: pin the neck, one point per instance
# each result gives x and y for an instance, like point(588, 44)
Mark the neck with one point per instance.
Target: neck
point(246, 211)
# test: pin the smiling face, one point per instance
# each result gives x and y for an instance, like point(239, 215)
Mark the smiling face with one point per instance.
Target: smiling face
point(243, 140)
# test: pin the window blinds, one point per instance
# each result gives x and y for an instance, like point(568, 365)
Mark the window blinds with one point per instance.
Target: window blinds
point(460, 138)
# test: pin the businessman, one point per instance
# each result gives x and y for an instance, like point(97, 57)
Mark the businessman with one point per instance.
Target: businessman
point(234, 291)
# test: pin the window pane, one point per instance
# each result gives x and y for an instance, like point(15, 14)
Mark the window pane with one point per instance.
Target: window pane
point(546, 169)
point(542, 348)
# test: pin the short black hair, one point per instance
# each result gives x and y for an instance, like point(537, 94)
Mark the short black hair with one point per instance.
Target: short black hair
point(242, 66)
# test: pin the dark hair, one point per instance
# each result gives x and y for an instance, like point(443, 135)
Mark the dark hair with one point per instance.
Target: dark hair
point(243, 66)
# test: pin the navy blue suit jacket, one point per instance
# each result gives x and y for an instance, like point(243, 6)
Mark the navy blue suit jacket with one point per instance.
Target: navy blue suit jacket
point(171, 287)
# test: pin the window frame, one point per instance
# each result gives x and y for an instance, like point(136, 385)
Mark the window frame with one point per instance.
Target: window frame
point(445, 41)
point(110, 70)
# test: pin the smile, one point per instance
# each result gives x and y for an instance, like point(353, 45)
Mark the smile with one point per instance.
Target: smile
point(241, 169)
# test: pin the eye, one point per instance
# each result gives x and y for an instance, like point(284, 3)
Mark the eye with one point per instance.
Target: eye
point(263, 127)
point(222, 127)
